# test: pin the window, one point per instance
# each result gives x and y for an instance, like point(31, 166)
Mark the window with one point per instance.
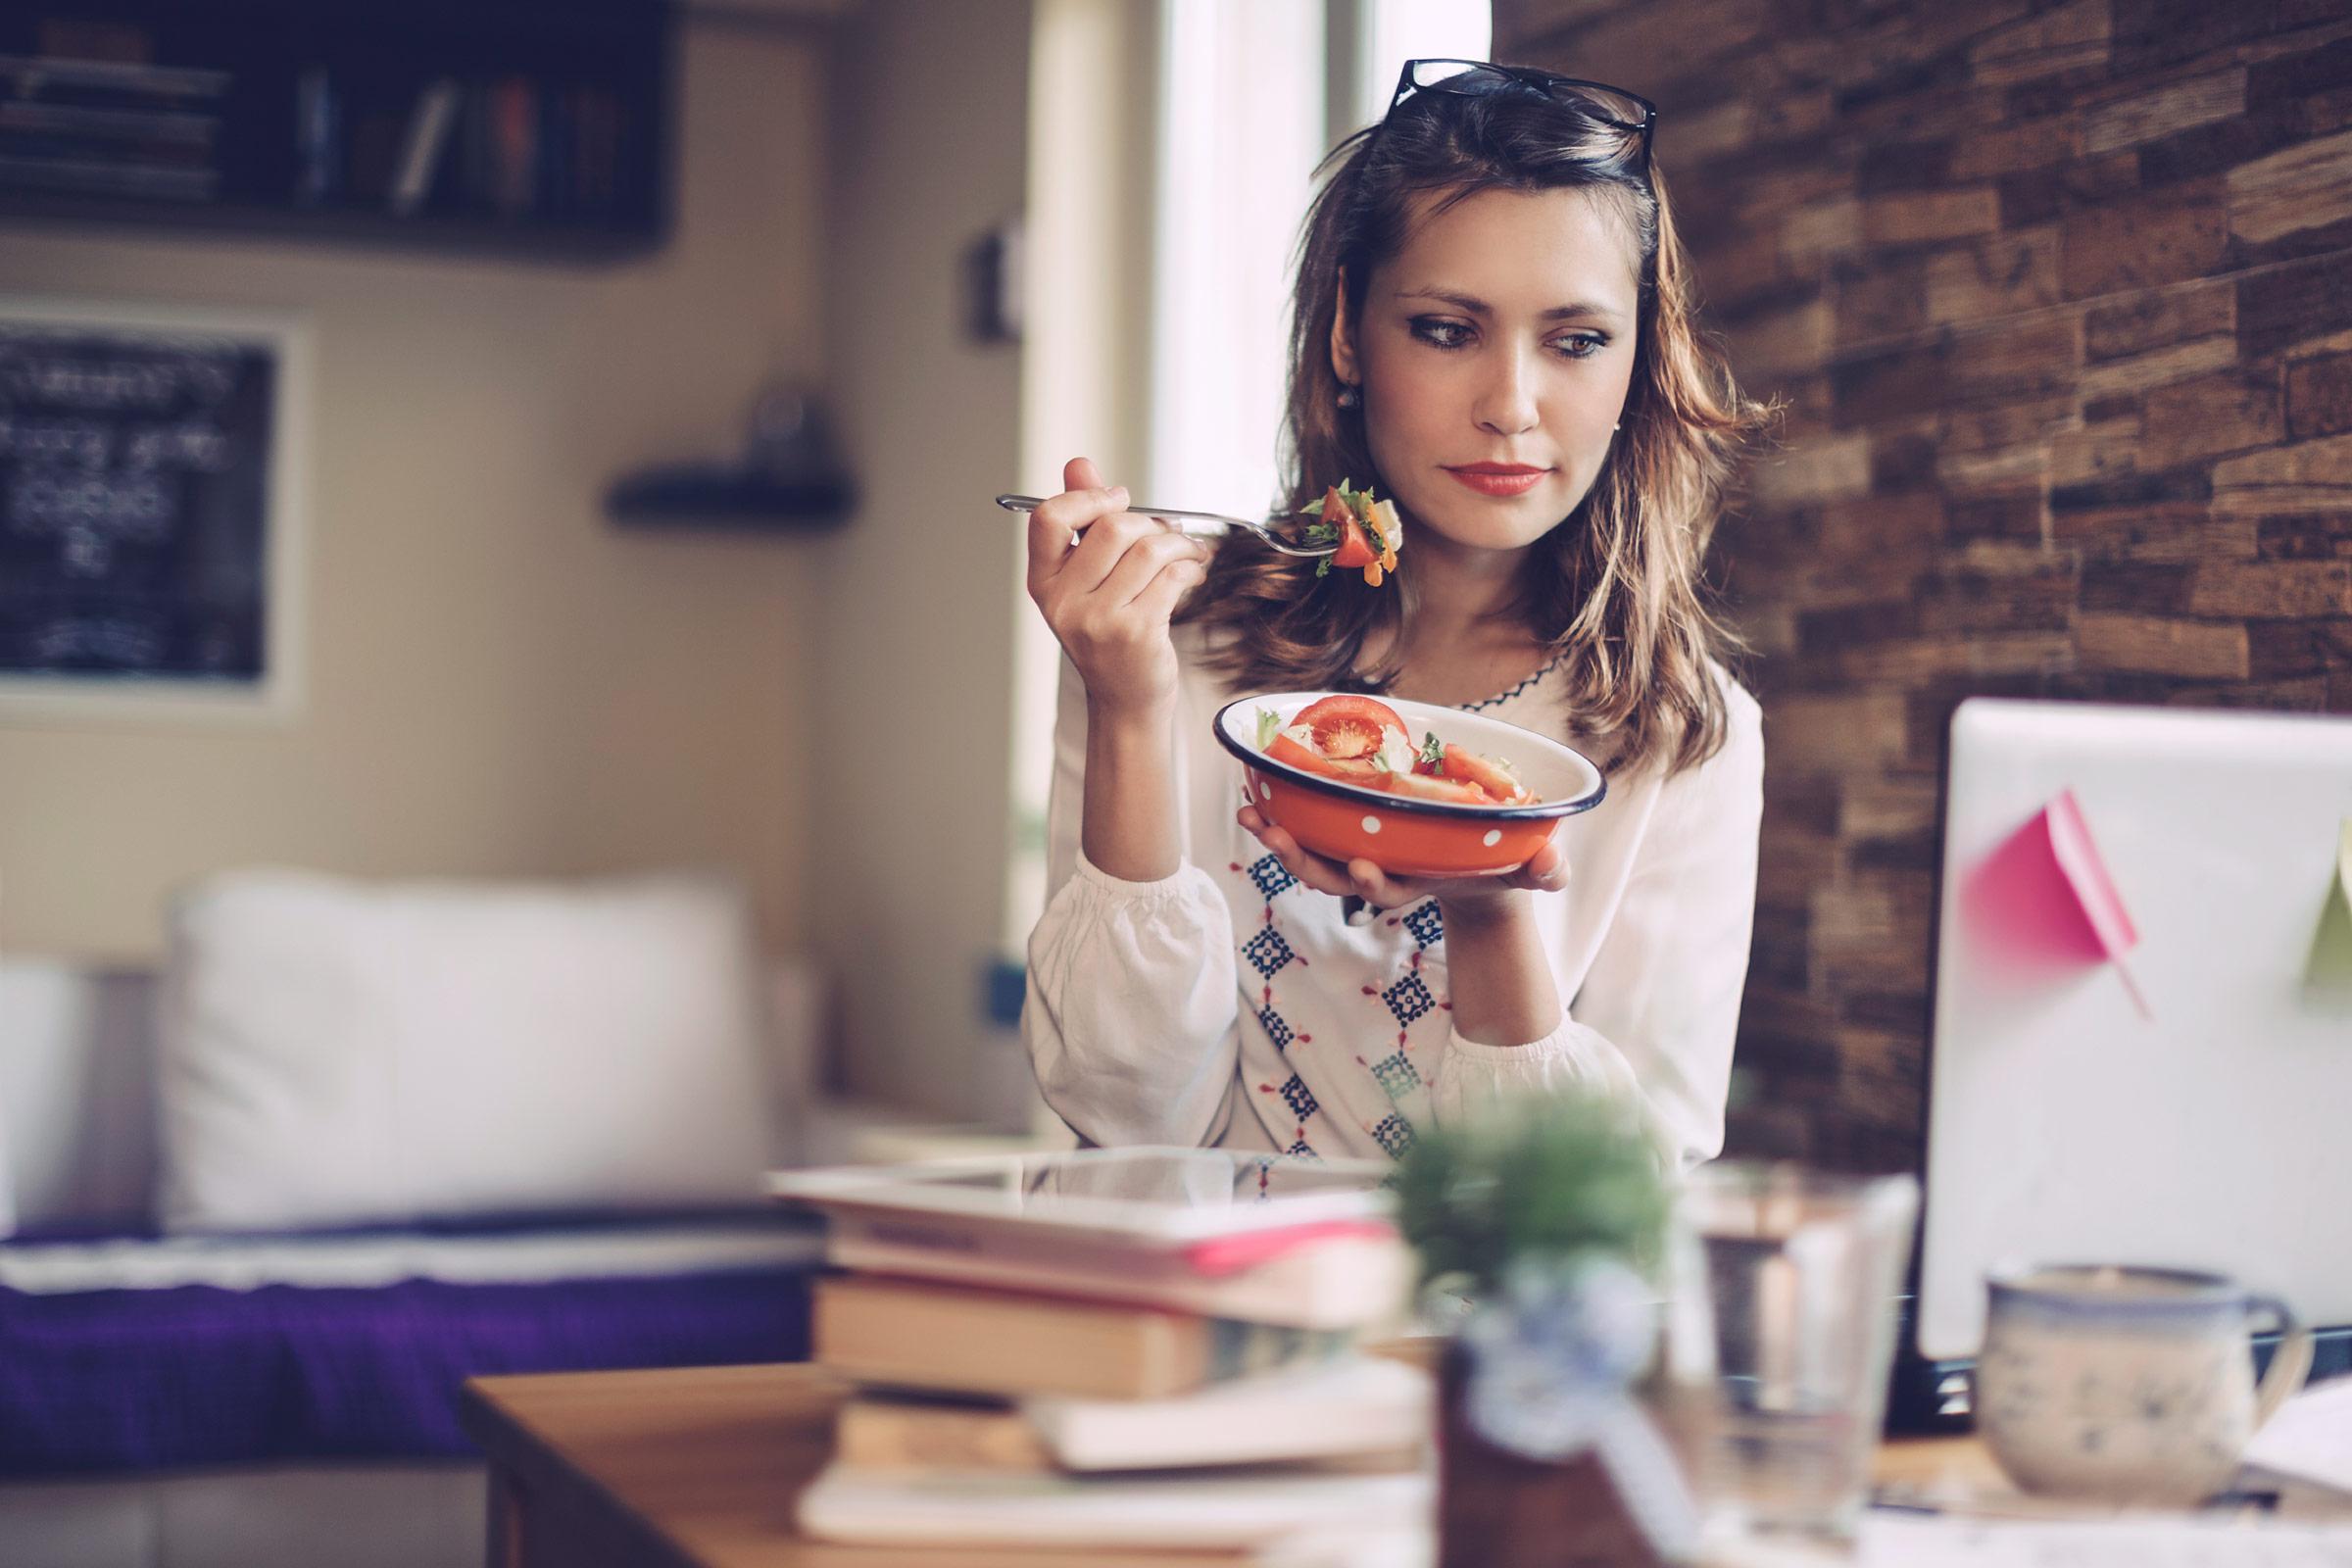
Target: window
point(1247, 97)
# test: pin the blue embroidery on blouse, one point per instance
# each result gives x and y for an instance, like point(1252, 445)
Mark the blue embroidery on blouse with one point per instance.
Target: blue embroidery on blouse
point(1397, 1075)
point(1408, 999)
point(1394, 1133)
point(1267, 951)
point(1271, 876)
point(1300, 1098)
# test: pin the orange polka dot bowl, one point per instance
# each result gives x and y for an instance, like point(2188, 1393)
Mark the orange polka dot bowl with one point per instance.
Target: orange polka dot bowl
point(1404, 835)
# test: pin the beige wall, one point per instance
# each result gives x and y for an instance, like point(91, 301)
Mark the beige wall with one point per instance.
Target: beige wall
point(499, 681)
point(920, 595)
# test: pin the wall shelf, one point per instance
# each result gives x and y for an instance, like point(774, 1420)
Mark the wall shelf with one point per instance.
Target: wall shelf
point(715, 497)
point(538, 128)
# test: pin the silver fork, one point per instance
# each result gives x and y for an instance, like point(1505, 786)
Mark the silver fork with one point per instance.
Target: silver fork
point(1210, 525)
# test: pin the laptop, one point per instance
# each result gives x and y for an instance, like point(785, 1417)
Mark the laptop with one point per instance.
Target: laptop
point(2142, 1036)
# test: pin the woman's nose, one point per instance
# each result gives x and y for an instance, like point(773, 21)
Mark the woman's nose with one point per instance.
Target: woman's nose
point(1507, 403)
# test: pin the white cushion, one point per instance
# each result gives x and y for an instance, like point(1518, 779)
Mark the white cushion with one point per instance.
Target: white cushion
point(334, 1052)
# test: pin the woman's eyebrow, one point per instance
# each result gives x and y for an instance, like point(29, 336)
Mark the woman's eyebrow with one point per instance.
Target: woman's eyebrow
point(1478, 307)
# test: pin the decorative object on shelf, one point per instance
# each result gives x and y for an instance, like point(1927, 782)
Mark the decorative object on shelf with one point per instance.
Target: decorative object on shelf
point(530, 128)
point(788, 479)
point(1542, 1227)
point(991, 280)
point(150, 510)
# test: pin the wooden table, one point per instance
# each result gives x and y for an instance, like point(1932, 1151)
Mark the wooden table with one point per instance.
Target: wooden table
point(701, 1467)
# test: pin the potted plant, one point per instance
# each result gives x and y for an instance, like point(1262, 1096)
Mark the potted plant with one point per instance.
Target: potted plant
point(1542, 1227)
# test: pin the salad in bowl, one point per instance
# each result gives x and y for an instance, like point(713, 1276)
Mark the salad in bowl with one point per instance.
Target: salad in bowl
point(1417, 789)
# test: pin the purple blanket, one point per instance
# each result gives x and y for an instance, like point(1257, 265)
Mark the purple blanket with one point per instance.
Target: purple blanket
point(142, 1379)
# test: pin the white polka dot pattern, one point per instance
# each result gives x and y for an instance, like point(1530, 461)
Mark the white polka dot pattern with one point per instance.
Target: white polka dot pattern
point(1371, 824)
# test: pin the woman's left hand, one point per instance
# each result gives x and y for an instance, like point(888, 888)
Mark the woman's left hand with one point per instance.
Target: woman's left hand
point(1546, 871)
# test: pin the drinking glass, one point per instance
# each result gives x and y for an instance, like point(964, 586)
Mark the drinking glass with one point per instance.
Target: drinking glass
point(1801, 1271)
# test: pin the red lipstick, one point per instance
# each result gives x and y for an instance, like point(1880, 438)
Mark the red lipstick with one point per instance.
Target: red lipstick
point(1496, 478)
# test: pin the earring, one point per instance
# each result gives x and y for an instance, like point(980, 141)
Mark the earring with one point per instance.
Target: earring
point(1616, 426)
point(1348, 397)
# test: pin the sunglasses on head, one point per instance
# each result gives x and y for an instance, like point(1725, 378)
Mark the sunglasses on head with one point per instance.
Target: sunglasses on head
point(1626, 112)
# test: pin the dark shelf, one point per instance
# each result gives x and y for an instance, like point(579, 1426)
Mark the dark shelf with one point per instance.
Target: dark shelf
point(550, 136)
point(548, 241)
point(709, 497)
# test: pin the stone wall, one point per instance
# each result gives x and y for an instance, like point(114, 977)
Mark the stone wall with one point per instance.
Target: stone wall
point(2059, 300)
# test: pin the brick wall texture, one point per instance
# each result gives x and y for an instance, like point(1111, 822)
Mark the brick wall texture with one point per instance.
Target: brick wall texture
point(2059, 301)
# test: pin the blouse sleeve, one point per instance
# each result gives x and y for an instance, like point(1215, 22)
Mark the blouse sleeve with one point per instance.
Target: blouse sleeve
point(1659, 1008)
point(1131, 1015)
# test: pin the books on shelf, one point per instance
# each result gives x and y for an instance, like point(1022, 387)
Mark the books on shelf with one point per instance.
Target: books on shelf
point(109, 128)
point(517, 147)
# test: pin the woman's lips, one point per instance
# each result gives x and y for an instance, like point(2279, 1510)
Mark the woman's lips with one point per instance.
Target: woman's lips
point(1498, 478)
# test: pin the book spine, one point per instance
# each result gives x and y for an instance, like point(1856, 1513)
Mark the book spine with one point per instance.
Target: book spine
point(317, 155)
point(429, 133)
point(515, 142)
point(894, 1435)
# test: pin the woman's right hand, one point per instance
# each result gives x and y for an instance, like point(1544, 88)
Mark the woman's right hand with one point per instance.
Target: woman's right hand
point(1108, 597)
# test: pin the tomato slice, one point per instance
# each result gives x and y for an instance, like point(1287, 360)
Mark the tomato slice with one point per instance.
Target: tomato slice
point(1422, 787)
point(1355, 544)
point(1282, 749)
point(1478, 771)
point(1348, 725)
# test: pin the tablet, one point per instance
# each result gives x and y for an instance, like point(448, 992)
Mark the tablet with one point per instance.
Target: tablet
point(1133, 1196)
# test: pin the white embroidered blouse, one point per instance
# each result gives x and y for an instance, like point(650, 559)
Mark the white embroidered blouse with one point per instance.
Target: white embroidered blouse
point(1228, 1005)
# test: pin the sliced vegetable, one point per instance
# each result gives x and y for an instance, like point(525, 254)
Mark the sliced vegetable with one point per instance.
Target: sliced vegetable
point(1356, 548)
point(1284, 749)
point(1492, 776)
point(1348, 726)
point(1369, 532)
point(1421, 786)
point(1363, 741)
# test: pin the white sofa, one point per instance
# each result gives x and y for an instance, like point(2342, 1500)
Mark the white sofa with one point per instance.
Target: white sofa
point(80, 1153)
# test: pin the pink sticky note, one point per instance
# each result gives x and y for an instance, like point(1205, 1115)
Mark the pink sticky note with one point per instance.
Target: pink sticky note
point(2087, 875)
point(2043, 900)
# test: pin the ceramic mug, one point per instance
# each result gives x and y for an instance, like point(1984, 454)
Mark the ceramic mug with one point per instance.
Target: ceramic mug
point(2127, 1385)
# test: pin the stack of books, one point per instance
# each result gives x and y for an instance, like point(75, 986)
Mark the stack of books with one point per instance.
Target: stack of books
point(1029, 1390)
point(104, 128)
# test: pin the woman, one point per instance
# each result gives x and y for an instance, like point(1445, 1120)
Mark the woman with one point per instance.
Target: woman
point(1492, 327)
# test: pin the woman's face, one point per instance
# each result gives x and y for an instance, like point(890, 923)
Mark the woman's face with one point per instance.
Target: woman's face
point(1492, 356)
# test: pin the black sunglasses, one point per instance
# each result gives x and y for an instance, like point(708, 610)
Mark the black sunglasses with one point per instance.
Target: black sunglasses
point(1628, 111)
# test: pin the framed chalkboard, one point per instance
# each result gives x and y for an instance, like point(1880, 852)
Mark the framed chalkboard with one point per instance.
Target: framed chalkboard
point(151, 496)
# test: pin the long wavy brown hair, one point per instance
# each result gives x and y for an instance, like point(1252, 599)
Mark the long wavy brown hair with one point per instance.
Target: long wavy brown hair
point(1616, 589)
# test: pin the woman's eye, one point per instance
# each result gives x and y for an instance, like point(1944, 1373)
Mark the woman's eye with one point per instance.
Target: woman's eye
point(1440, 333)
point(1581, 345)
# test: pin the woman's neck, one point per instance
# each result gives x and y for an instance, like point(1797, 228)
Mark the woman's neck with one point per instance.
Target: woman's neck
point(1462, 644)
point(1460, 591)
